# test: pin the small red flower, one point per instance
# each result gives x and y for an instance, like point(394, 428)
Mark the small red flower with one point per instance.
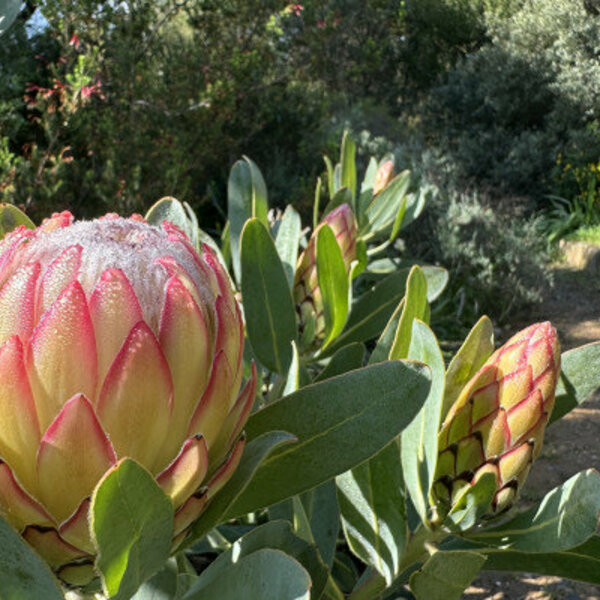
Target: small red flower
point(75, 41)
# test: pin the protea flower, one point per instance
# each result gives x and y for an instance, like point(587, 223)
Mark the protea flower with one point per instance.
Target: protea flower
point(497, 423)
point(117, 340)
point(307, 294)
point(384, 175)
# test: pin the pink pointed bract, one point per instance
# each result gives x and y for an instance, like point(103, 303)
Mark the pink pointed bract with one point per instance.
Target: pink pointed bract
point(117, 339)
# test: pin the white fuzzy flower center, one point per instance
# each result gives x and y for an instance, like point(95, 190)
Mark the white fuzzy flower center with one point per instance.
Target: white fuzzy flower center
point(119, 243)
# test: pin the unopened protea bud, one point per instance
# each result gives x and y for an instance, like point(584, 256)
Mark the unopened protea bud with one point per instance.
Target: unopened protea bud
point(497, 423)
point(384, 175)
point(117, 339)
point(307, 294)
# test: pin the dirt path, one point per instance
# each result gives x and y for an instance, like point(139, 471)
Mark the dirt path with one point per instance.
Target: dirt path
point(571, 445)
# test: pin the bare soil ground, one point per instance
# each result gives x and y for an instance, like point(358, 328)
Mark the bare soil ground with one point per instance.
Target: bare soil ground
point(571, 445)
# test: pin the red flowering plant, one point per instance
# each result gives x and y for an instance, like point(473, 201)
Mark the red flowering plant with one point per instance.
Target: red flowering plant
point(64, 86)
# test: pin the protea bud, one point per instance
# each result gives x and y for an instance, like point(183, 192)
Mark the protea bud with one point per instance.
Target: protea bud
point(384, 175)
point(117, 340)
point(497, 423)
point(307, 294)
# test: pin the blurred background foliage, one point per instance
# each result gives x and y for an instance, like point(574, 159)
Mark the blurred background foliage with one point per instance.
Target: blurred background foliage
point(494, 104)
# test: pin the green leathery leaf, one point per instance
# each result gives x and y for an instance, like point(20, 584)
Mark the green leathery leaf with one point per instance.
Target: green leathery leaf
point(446, 575)
point(225, 245)
point(320, 513)
point(262, 575)
point(471, 356)
point(337, 177)
point(366, 190)
point(255, 452)
point(581, 563)
point(327, 420)
point(420, 439)
point(170, 209)
point(415, 307)
point(381, 212)
point(24, 575)
point(321, 507)
point(162, 586)
point(292, 381)
point(368, 182)
point(131, 521)
point(330, 178)
point(437, 280)
point(385, 341)
point(579, 378)
point(415, 203)
point(345, 359)
point(566, 517)
point(341, 196)
point(348, 166)
point(372, 310)
point(317, 203)
point(398, 220)
point(277, 535)
point(345, 571)
point(268, 304)
point(474, 501)
point(9, 11)
point(11, 217)
point(333, 282)
point(371, 498)
point(362, 259)
point(246, 199)
point(287, 241)
point(300, 520)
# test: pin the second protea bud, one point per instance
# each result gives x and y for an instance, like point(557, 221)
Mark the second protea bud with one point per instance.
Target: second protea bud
point(497, 423)
point(384, 175)
point(307, 294)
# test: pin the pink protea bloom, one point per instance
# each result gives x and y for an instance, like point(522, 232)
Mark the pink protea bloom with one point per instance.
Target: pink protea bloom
point(117, 339)
point(307, 293)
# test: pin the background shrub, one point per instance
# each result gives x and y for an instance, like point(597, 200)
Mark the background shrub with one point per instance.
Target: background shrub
point(506, 111)
point(499, 265)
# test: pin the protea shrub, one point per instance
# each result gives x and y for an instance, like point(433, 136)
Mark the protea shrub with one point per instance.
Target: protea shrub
point(118, 339)
point(307, 294)
point(497, 423)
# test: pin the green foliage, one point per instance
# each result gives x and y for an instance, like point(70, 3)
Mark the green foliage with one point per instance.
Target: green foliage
point(24, 574)
point(586, 234)
point(499, 265)
point(269, 312)
point(131, 524)
point(507, 110)
point(326, 420)
point(446, 575)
